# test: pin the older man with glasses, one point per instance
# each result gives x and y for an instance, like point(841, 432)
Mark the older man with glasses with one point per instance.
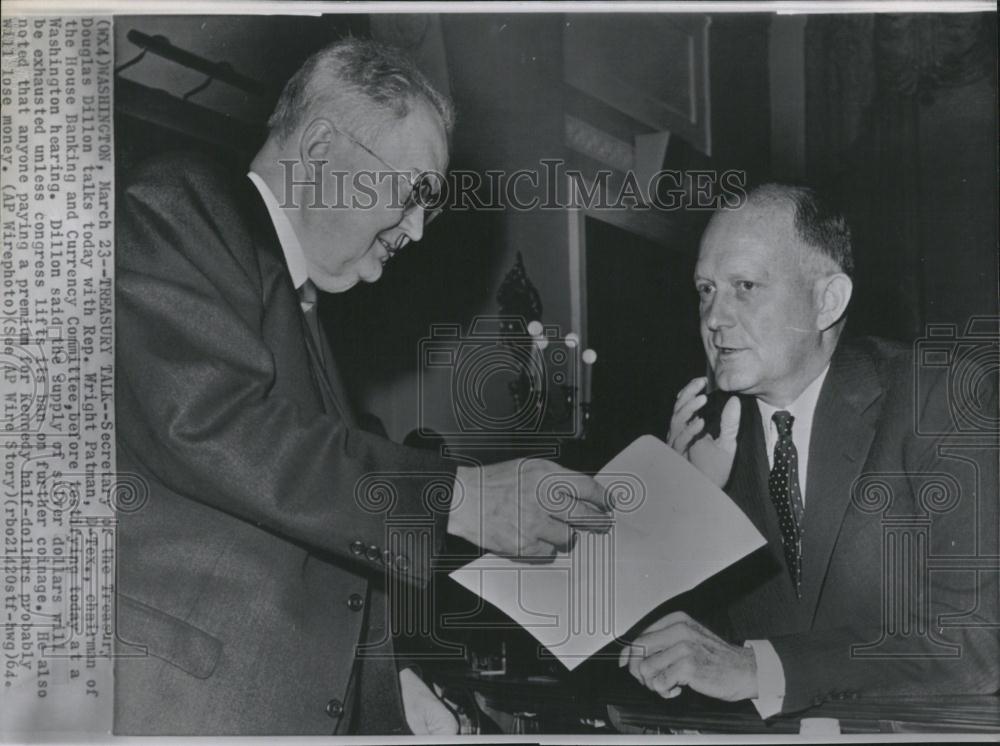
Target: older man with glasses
point(250, 583)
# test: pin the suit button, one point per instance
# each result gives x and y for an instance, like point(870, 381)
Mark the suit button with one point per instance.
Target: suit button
point(355, 602)
point(357, 547)
point(402, 562)
point(335, 708)
point(373, 553)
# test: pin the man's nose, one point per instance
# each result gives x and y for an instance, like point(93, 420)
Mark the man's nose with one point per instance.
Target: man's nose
point(413, 223)
point(717, 314)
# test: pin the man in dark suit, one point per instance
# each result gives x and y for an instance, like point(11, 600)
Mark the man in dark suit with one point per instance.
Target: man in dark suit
point(251, 577)
point(816, 438)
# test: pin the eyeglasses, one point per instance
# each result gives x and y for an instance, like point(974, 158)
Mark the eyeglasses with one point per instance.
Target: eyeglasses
point(425, 187)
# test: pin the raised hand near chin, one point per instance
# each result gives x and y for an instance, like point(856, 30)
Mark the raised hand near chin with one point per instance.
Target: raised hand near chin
point(712, 456)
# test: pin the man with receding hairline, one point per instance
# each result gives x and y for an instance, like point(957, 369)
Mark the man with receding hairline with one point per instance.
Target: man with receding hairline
point(251, 584)
point(802, 416)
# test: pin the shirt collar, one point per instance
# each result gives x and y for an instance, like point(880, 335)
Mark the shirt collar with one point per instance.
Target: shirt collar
point(801, 409)
point(295, 257)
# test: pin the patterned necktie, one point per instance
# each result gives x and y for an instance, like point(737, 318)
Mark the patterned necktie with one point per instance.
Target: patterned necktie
point(787, 497)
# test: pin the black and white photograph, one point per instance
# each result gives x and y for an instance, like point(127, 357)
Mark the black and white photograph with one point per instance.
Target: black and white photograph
point(554, 371)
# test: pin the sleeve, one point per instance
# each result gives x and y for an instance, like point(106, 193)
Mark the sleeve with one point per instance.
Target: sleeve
point(196, 401)
point(770, 678)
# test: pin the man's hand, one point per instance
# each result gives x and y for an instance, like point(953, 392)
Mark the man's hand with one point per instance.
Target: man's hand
point(677, 651)
point(713, 456)
point(425, 713)
point(526, 508)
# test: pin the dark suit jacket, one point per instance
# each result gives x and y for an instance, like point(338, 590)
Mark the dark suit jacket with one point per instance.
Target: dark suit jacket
point(892, 600)
point(257, 561)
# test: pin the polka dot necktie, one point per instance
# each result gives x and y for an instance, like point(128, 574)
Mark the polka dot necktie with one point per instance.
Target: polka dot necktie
point(787, 497)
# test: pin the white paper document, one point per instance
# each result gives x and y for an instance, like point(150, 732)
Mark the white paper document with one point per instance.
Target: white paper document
point(672, 529)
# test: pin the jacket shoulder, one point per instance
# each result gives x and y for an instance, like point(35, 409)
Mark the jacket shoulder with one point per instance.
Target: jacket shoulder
point(891, 359)
point(187, 204)
point(177, 168)
point(186, 184)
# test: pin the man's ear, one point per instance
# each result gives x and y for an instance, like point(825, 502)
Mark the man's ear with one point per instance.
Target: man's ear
point(316, 141)
point(832, 294)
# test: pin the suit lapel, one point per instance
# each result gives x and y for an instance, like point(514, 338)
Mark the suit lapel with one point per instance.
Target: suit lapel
point(751, 472)
point(842, 433)
point(273, 266)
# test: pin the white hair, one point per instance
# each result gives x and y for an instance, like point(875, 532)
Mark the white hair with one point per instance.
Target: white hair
point(363, 83)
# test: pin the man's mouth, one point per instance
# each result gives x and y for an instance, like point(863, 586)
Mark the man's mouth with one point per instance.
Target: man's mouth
point(727, 351)
point(390, 250)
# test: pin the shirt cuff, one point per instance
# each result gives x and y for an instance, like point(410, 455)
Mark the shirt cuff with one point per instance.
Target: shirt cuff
point(770, 678)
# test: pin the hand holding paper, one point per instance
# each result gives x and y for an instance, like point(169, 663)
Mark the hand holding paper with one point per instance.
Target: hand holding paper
point(673, 529)
point(526, 507)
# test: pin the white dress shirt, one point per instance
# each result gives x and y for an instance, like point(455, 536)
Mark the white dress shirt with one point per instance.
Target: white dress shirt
point(295, 257)
point(802, 409)
point(770, 674)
